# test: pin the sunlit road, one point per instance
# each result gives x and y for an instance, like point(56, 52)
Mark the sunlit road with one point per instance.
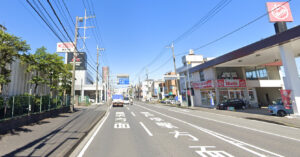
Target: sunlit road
point(147, 130)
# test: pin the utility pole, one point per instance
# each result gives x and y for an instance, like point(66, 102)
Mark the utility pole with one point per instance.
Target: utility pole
point(189, 84)
point(74, 60)
point(97, 77)
point(176, 81)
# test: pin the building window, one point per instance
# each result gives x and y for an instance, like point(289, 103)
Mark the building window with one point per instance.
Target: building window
point(257, 74)
point(202, 76)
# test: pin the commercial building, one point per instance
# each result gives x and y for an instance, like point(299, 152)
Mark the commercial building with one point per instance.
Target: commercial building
point(252, 73)
point(189, 61)
point(147, 89)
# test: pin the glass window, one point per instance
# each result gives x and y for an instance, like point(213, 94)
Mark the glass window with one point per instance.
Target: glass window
point(202, 76)
point(255, 74)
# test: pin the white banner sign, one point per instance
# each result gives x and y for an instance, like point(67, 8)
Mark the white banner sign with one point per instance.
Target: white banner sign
point(171, 77)
point(65, 47)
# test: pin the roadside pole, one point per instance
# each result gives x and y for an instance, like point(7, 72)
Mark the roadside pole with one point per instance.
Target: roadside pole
point(176, 81)
point(189, 84)
point(73, 73)
point(97, 77)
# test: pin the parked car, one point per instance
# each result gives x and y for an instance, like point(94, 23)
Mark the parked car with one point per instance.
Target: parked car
point(277, 108)
point(236, 103)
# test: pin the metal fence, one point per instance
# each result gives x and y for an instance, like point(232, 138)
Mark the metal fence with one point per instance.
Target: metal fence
point(25, 105)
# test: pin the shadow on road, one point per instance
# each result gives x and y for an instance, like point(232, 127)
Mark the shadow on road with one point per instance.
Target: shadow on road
point(43, 140)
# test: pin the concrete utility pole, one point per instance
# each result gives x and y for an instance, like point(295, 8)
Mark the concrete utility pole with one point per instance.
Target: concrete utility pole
point(176, 81)
point(97, 77)
point(189, 84)
point(74, 60)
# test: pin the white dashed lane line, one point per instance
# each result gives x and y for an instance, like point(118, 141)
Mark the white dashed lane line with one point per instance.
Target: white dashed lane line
point(146, 129)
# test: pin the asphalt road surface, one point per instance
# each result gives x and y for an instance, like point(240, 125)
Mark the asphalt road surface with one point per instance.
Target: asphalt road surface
point(149, 130)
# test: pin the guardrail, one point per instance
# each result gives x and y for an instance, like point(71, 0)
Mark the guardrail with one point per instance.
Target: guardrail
point(15, 106)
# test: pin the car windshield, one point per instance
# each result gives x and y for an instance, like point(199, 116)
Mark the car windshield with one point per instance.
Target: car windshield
point(126, 98)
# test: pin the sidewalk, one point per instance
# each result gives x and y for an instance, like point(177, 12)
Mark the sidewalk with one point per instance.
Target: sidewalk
point(52, 136)
point(251, 114)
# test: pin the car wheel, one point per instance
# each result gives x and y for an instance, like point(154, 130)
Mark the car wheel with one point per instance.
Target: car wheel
point(281, 113)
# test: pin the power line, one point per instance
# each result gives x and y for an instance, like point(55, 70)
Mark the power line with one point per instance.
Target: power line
point(222, 4)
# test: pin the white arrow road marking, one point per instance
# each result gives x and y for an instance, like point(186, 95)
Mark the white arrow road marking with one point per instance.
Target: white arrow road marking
point(243, 145)
point(146, 129)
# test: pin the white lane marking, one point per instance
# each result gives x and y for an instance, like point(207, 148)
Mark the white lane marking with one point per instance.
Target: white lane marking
point(93, 136)
point(177, 134)
point(203, 152)
point(166, 125)
point(146, 129)
point(110, 106)
point(127, 108)
point(133, 114)
point(235, 142)
point(121, 126)
point(239, 126)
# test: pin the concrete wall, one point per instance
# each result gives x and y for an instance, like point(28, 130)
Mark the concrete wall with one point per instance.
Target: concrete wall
point(273, 72)
point(209, 74)
point(273, 93)
point(20, 81)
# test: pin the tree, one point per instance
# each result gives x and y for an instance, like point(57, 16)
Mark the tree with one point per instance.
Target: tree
point(10, 46)
point(66, 79)
point(54, 71)
point(36, 65)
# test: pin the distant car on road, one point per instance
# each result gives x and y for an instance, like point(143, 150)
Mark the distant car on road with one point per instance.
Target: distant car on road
point(236, 103)
point(277, 108)
point(127, 101)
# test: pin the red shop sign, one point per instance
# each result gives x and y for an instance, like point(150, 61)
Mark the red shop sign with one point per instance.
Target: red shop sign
point(286, 98)
point(231, 83)
point(204, 84)
point(279, 12)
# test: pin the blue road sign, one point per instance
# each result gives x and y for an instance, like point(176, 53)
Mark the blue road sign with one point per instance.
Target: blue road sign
point(123, 81)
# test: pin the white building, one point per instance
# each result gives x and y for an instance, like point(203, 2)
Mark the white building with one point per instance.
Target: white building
point(147, 89)
point(189, 61)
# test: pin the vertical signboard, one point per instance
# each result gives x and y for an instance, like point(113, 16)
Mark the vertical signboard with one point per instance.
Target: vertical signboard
point(80, 60)
point(286, 98)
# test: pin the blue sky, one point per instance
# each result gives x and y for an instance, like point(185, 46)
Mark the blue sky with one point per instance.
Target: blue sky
point(134, 32)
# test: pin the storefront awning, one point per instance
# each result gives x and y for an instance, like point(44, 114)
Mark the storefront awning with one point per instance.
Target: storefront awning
point(265, 51)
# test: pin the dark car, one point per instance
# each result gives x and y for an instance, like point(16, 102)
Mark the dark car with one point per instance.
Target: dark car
point(236, 103)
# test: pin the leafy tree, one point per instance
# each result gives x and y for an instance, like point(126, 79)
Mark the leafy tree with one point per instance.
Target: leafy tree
point(10, 46)
point(37, 65)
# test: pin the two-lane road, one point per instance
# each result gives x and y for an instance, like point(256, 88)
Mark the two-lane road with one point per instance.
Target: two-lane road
point(149, 130)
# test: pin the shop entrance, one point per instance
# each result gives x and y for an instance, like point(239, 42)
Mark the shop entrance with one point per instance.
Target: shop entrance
point(235, 94)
